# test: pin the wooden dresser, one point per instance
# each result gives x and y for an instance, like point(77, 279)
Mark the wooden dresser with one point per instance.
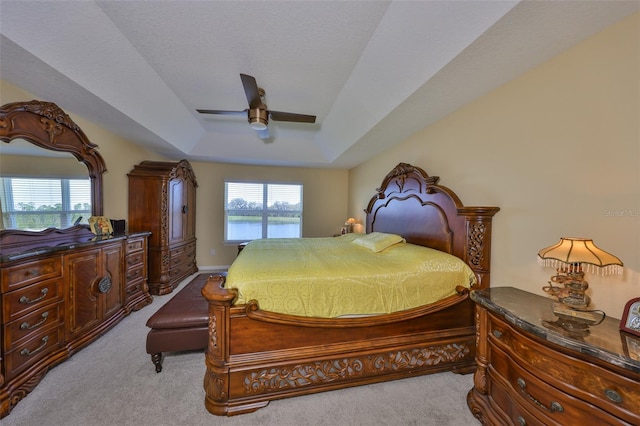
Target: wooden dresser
point(162, 199)
point(60, 289)
point(136, 287)
point(57, 299)
point(532, 371)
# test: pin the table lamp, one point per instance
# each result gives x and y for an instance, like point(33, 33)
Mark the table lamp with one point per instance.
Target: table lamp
point(572, 257)
point(349, 225)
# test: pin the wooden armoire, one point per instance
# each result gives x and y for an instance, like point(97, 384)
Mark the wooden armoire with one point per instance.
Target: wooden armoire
point(162, 199)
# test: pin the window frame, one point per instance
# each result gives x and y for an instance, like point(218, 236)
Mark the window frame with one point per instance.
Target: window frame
point(264, 211)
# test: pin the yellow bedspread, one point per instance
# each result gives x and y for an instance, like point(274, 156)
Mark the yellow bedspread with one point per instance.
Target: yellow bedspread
point(331, 277)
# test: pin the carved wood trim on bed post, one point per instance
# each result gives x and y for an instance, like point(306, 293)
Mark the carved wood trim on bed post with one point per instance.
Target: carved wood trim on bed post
point(478, 241)
point(216, 379)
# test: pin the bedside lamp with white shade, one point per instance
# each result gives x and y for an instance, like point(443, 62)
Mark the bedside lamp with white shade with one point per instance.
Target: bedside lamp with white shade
point(572, 257)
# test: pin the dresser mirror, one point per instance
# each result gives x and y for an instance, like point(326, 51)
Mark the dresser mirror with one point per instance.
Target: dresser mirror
point(29, 127)
point(41, 188)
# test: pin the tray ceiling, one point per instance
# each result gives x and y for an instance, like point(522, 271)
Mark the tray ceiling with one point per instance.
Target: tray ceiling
point(373, 72)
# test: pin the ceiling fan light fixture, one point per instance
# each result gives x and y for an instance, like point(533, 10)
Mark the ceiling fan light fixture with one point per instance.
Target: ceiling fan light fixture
point(258, 118)
point(257, 113)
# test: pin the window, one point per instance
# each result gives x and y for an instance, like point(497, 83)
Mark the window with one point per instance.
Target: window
point(37, 204)
point(262, 210)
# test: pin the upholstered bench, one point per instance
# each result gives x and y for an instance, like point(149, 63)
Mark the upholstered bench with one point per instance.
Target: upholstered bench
point(181, 324)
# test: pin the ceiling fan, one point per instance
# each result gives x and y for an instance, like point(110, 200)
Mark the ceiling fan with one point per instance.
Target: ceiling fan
point(257, 114)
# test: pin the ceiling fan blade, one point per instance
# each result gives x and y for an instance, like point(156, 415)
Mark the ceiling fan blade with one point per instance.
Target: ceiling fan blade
point(252, 91)
point(290, 116)
point(221, 112)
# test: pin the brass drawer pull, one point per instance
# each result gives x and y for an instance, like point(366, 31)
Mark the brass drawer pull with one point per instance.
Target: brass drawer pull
point(555, 406)
point(522, 421)
point(25, 325)
point(613, 395)
point(27, 352)
point(26, 300)
point(497, 333)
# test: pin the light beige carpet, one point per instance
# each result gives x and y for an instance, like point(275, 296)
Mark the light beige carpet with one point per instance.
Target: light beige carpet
point(113, 382)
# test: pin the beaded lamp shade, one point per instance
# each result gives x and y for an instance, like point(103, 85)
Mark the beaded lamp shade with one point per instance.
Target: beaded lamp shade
point(580, 253)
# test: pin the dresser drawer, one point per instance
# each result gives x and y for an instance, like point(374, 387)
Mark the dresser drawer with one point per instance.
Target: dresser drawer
point(188, 250)
point(135, 259)
point(177, 260)
point(134, 245)
point(178, 270)
point(549, 404)
point(32, 350)
point(20, 302)
point(31, 324)
point(134, 274)
point(177, 252)
point(500, 396)
point(135, 289)
point(14, 277)
point(613, 393)
point(181, 263)
point(182, 258)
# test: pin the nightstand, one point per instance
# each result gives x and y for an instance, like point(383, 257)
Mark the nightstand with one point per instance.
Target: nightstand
point(530, 371)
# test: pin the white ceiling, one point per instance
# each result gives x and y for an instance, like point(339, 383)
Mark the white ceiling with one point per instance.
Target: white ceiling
point(373, 72)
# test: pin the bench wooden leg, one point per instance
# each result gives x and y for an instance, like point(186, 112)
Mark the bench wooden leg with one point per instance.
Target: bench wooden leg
point(157, 361)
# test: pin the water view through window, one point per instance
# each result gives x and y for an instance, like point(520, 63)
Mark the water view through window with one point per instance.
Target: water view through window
point(262, 210)
point(240, 230)
point(39, 203)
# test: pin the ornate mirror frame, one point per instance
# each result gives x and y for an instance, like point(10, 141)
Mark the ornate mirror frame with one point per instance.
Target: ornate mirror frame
point(47, 126)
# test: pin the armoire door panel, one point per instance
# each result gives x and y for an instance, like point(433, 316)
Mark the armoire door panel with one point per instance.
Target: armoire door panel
point(190, 219)
point(178, 206)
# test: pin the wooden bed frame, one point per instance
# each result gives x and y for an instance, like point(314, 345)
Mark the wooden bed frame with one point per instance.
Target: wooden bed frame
point(255, 356)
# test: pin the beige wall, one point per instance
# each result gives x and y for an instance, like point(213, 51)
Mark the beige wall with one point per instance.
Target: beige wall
point(558, 150)
point(325, 191)
point(28, 165)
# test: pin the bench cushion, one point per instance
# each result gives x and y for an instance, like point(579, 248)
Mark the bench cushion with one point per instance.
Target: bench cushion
point(181, 324)
point(187, 309)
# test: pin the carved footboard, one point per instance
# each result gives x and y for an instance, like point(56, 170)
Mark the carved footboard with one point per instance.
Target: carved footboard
point(254, 357)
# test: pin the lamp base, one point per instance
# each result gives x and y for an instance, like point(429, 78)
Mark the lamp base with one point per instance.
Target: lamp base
point(567, 327)
point(573, 290)
point(578, 316)
point(573, 322)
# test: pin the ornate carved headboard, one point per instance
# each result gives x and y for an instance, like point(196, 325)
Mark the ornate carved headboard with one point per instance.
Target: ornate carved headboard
point(412, 204)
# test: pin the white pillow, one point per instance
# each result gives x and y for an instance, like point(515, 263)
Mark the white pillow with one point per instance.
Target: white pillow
point(378, 241)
